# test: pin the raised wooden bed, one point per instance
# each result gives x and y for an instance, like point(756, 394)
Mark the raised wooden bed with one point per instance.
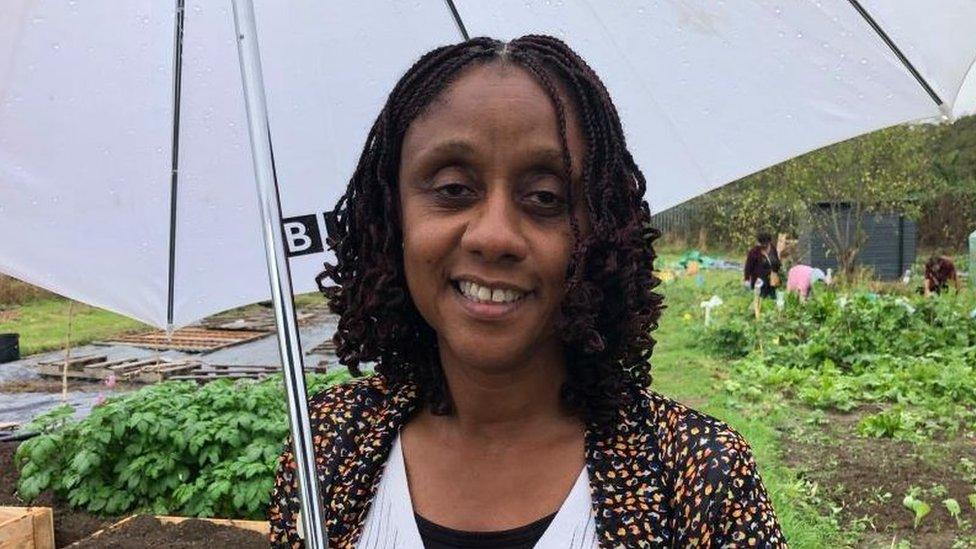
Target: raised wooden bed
point(26, 528)
point(259, 526)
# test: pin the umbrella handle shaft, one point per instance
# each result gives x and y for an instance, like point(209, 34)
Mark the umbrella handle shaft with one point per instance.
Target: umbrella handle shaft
point(279, 276)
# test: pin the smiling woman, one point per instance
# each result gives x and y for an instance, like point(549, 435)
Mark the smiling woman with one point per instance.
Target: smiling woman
point(494, 261)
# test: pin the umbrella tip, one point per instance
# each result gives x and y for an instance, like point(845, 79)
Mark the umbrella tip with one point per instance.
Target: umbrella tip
point(946, 112)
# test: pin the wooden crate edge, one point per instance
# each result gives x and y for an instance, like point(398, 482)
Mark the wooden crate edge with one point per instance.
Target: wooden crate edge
point(31, 527)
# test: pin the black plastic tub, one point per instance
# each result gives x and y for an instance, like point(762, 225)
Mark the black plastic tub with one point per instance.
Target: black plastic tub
point(9, 347)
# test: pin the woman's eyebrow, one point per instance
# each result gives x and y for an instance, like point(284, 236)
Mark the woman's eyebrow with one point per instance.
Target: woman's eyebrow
point(545, 155)
point(453, 147)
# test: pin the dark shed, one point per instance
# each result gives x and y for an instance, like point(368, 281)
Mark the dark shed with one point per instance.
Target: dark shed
point(889, 249)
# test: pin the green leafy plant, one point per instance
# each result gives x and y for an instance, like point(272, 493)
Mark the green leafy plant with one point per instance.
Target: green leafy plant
point(914, 365)
point(954, 509)
point(917, 506)
point(174, 447)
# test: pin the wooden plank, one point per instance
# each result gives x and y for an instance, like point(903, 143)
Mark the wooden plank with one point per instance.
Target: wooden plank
point(111, 363)
point(26, 527)
point(43, 519)
point(17, 533)
point(75, 363)
point(171, 368)
point(259, 526)
point(128, 367)
point(55, 371)
point(77, 360)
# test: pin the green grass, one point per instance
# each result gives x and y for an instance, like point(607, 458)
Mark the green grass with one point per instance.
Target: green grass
point(43, 325)
point(685, 372)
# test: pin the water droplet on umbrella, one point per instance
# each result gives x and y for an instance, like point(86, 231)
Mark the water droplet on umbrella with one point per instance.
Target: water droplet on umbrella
point(55, 46)
point(799, 35)
point(864, 61)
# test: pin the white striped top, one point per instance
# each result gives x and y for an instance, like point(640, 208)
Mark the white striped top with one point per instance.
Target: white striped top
point(390, 522)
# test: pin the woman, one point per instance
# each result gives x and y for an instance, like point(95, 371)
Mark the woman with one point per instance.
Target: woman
point(494, 261)
point(762, 263)
point(802, 278)
point(940, 270)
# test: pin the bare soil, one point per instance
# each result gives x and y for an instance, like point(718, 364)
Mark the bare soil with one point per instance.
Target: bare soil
point(869, 477)
point(52, 385)
point(145, 531)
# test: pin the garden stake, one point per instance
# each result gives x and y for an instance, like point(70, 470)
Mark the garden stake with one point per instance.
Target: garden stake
point(67, 355)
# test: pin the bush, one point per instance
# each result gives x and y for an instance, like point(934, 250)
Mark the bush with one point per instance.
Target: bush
point(734, 339)
point(170, 448)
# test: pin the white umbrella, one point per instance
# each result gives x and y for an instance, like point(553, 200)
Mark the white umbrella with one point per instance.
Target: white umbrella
point(90, 206)
point(708, 92)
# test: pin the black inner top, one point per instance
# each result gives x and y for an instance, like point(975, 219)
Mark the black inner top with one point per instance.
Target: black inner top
point(435, 536)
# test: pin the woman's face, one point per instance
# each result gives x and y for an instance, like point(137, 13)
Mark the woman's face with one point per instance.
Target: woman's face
point(486, 222)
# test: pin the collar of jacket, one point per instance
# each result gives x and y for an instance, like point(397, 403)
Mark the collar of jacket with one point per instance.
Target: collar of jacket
point(624, 478)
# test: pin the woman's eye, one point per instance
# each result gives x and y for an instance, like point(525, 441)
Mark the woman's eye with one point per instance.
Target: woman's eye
point(453, 190)
point(547, 200)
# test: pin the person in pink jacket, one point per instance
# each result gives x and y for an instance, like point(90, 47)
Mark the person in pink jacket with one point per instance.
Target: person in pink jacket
point(800, 279)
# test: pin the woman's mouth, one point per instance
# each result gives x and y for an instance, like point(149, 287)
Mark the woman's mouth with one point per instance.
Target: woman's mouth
point(488, 301)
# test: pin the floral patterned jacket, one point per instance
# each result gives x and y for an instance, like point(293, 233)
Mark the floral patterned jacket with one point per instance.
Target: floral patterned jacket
point(666, 476)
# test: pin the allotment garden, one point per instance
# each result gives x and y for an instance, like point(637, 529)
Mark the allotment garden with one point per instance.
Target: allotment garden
point(860, 406)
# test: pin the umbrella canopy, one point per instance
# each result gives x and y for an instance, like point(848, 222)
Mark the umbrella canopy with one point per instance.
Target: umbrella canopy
point(708, 92)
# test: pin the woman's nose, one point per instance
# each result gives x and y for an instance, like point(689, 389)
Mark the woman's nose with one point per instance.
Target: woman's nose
point(494, 231)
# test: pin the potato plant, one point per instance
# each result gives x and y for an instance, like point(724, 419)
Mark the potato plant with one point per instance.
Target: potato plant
point(915, 357)
point(170, 448)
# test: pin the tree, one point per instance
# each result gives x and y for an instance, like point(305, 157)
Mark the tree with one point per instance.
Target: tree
point(885, 171)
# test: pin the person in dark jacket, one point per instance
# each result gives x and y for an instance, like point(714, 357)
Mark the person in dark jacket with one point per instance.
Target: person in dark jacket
point(939, 272)
point(762, 263)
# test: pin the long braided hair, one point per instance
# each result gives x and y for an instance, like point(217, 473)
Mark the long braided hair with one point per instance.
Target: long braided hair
point(609, 309)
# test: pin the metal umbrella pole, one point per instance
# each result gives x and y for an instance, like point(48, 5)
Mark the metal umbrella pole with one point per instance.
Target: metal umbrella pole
point(312, 508)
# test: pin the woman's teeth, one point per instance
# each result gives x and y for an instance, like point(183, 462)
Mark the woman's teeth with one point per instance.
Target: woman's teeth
point(483, 294)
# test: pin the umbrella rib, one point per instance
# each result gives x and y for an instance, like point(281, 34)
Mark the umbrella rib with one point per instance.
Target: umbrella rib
point(898, 53)
point(457, 19)
point(174, 173)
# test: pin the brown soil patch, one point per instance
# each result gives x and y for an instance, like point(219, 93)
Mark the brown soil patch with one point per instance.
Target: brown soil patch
point(69, 525)
point(9, 316)
point(51, 385)
point(145, 531)
point(869, 477)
